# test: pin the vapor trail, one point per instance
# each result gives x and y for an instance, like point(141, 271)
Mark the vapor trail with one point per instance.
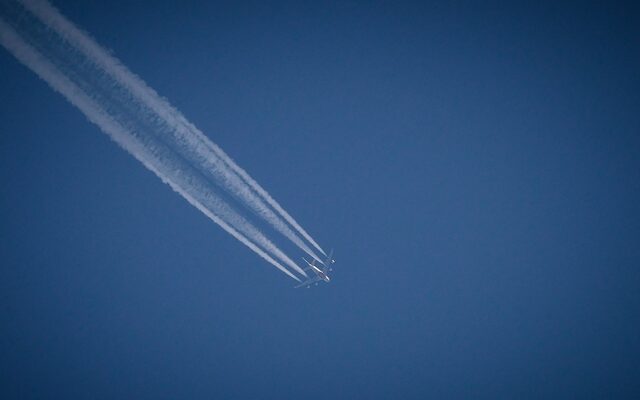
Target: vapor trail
point(135, 136)
point(210, 158)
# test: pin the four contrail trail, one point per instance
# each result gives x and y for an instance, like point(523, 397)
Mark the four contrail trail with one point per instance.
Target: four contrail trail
point(210, 157)
point(48, 72)
point(145, 125)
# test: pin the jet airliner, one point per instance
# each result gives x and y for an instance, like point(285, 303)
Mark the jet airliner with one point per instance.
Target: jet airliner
point(320, 270)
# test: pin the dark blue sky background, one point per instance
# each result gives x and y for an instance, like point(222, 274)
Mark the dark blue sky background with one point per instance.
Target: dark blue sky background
point(476, 168)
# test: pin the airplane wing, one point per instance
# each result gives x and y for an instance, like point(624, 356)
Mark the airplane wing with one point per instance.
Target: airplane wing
point(328, 260)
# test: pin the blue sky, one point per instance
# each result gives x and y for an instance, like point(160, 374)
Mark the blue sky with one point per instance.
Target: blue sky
point(474, 166)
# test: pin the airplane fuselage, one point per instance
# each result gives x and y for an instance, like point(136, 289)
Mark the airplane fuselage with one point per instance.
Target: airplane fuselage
point(320, 273)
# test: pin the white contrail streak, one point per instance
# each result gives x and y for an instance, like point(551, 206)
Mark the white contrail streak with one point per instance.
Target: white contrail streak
point(255, 186)
point(171, 169)
point(211, 159)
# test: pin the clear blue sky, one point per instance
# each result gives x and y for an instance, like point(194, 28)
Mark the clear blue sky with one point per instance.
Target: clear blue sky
point(476, 168)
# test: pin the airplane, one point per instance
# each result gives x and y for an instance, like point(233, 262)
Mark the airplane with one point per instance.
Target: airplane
point(320, 271)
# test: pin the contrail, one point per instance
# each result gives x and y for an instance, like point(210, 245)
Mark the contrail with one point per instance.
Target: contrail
point(210, 158)
point(135, 137)
point(256, 187)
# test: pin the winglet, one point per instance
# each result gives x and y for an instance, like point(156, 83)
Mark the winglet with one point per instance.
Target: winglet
point(329, 259)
